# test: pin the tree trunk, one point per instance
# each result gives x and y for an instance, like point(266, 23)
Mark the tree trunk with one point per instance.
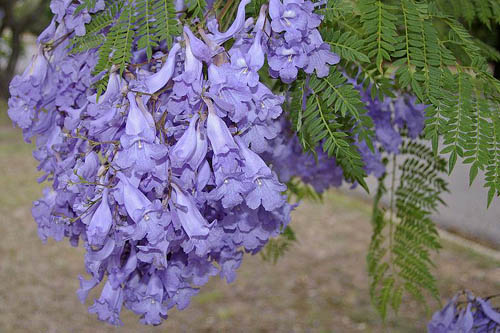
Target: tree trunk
point(8, 73)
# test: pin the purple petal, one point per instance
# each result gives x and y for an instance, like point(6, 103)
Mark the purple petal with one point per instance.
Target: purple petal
point(159, 79)
point(217, 132)
point(238, 24)
point(137, 121)
point(193, 223)
point(134, 200)
point(200, 50)
point(101, 222)
point(184, 149)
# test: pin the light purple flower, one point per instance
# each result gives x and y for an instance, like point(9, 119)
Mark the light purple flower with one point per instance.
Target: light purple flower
point(193, 223)
point(231, 190)
point(267, 190)
point(406, 112)
point(185, 147)
point(230, 94)
point(101, 221)
point(236, 26)
point(286, 62)
point(134, 200)
point(139, 121)
point(109, 304)
point(158, 80)
point(288, 17)
point(220, 138)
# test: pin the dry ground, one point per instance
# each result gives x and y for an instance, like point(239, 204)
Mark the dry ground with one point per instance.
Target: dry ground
point(319, 286)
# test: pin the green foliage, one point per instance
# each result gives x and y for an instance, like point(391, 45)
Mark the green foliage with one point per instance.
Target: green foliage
point(424, 45)
point(166, 26)
point(492, 174)
point(347, 46)
point(331, 102)
point(124, 26)
point(379, 25)
point(196, 8)
point(276, 247)
point(85, 4)
point(144, 27)
point(399, 256)
point(298, 191)
point(93, 37)
point(485, 11)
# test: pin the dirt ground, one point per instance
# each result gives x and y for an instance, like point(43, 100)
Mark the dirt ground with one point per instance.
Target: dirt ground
point(320, 285)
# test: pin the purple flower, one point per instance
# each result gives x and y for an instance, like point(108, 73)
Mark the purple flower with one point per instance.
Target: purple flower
point(230, 95)
point(268, 105)
point(406, 112)
point(176, 199)
point(119, 273)
point(490, 313)
point(193, 223)
point(199, 49)
point(86, 287)
point(139, 154)
point(101, 222)
point(59, 7)
point(185, 148)
point(230, 263)
point(248, 63)
point(108, 306)
point(158, 80)
point(48, 34)
point(25, 90)
point(231, 190)
point(372, 160)
point(236, 26)
point(134, 200)
point(150, 302)
point(288, 17)
point(386, 134)
point(267, 190)
point(139, 121)
point(473, 315)
point(319, 58)
point(286, 61)
point(112, 90)
point(442, 320)
point(220, 138)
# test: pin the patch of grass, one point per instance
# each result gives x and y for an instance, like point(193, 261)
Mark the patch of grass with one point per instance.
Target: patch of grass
point(208, 297)
point(482, 261)
point(4, 117)
point(340, 200)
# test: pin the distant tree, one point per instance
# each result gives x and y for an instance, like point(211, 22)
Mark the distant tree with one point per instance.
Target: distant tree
point(18, 17)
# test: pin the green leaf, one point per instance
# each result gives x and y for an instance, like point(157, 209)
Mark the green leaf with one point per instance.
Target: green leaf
point(380, 28)
point(399, 259)
point(334, 113)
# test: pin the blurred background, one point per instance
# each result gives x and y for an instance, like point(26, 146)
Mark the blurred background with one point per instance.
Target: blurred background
point(320, 285)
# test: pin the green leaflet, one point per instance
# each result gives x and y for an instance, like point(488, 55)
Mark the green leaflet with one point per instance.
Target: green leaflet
point(334, 114)
point(486, 11)
point(85, 4)
point(379, 24)
point(124, 26)
point(277, 247)
point(399, 255)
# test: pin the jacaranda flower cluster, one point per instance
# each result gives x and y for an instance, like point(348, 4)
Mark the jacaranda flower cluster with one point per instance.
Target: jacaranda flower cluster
point(474, 314)
point(180, 166)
